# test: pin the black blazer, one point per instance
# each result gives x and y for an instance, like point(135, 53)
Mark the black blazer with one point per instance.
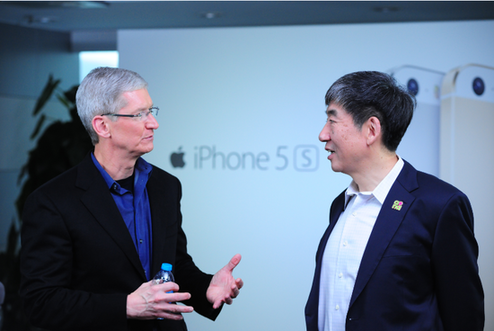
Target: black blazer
point(419, 269)
point(79, 263)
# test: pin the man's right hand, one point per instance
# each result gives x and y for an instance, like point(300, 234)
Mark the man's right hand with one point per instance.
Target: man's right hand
point(151, 301)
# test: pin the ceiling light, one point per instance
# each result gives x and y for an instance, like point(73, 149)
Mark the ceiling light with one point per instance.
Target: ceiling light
point(386, 9)
point(211, 15)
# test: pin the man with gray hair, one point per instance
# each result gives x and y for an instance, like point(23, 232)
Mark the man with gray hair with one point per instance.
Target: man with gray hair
point(94, 237)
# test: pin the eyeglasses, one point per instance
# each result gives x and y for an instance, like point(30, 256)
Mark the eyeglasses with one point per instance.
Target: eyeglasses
point(142, 116)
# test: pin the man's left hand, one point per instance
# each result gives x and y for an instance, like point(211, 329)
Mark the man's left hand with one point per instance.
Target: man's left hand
point(223, 287)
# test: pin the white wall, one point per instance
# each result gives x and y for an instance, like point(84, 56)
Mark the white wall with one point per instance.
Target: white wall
point(261, 91)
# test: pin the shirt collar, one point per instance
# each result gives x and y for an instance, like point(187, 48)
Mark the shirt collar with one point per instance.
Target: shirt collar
point(142, 170)
point(382, 189)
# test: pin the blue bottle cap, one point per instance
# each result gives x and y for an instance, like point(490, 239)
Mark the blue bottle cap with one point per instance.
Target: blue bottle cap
point(166, 267)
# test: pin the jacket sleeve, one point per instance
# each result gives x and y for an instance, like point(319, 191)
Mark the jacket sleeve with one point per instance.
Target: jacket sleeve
point(454, 259)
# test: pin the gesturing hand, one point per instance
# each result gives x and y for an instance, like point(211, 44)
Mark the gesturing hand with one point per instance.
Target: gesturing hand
point(223, 287)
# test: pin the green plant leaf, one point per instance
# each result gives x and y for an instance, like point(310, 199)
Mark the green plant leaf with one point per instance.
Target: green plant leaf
point(64, 101)
point(38, 126)
point(46, 94)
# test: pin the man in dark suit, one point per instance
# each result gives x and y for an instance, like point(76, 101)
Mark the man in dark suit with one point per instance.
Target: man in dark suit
point(94, 237)
point(399, 252)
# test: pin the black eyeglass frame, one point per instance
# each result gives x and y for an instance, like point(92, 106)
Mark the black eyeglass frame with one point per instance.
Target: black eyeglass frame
point(139, 115)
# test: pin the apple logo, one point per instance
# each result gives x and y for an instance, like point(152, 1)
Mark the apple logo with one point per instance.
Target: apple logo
point(177, 158)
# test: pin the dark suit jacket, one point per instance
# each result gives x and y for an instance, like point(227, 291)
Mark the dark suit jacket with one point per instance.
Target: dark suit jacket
point(78, 260)
point(419, 269)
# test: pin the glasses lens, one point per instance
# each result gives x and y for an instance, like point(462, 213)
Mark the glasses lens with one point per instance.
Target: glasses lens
point(142, 115)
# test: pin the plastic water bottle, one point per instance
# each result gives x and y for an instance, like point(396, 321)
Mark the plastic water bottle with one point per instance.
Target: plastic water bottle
point(163, 276)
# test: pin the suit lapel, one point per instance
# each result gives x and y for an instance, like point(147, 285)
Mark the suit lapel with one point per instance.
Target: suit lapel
point(101, 205)
point(336, 209)
point(387, 223)
point(311, 309)
point(159, 201)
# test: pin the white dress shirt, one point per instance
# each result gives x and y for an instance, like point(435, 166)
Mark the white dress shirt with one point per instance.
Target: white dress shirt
point(345, 248)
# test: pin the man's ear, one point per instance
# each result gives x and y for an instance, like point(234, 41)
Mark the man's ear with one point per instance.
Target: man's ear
point(373, 130)
point(101, 127)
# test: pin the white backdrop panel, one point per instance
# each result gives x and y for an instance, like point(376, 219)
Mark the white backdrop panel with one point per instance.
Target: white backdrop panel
point(246, 105)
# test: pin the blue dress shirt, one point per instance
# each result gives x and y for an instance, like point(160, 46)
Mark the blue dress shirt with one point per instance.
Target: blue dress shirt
point(135, 210)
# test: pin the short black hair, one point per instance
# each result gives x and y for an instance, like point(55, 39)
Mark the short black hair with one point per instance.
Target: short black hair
point(365, 94)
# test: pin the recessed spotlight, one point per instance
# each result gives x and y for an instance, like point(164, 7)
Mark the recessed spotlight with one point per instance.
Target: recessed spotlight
point(211, 15)
point(386, 9)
